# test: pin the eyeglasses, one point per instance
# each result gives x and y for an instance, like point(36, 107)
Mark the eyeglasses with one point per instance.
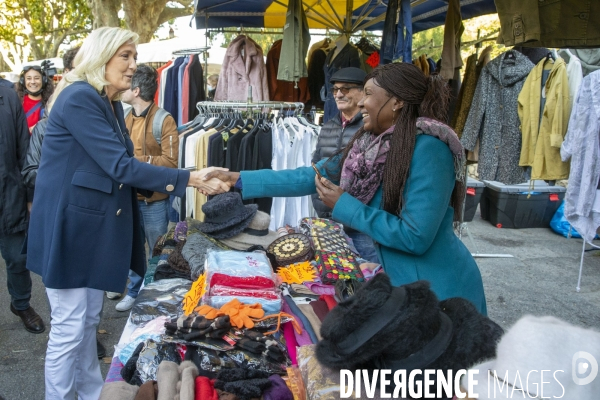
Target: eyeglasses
point(344, 89)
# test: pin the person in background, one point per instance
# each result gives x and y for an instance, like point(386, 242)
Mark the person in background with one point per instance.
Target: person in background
point(6, 83)
point(212, 82)
point(35, 89)
point(14, 137)
point(154, 211)
point(399, 180)
point(85, 231)
point(334, 136)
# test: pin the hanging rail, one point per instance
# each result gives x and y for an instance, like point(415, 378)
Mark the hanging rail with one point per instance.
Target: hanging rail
point(187, 52)
point(249, 105)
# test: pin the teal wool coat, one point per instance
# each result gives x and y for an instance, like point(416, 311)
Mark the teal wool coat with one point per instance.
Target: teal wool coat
point(418, 244)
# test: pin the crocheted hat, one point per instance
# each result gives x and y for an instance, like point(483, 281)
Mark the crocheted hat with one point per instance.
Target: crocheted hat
point(257, 233)
point(226, 216)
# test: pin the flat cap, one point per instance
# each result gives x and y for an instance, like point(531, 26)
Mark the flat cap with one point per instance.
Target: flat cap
point(350, 74)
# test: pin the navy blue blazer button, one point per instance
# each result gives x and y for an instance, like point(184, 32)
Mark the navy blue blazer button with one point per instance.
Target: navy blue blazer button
point(170, 188)
point(118, 212)
point(120, 186)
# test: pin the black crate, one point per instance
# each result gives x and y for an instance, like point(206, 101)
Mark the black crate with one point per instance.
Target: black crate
point(518, 206)
point(472, 199)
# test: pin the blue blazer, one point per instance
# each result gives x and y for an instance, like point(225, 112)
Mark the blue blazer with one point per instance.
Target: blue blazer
point(85, 228)
point(420, 244)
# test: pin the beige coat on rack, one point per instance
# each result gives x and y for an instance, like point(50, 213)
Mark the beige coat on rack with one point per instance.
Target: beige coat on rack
point(243, 66)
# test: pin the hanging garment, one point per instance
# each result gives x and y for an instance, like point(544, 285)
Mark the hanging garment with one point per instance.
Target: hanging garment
point(582, 146)
point(296, 39)
point(171, 96)
point(453, 30)
point(347, 57)
point(397, 32)
point(574, 71)
point(535, 54)
point(196, 88)
point(163, 84)
point(316, 77)
point(185, 94)
point(589, 58)
point(243, 66)
point(541, 143)
point(556, 23)
point(180, 94)
point(160, 82)
point(493, 118)
point(281, 90)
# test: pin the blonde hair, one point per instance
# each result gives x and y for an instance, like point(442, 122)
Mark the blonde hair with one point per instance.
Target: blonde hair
point(95, 52)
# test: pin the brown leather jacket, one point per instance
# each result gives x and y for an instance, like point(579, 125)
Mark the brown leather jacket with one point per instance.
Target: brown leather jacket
point(147, 149)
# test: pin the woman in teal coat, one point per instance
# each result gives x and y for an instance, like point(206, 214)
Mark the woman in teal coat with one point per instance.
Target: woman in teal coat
point(399, 182)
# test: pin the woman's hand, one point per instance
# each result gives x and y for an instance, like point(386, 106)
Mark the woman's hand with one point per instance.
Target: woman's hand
point(228, 178)
point(207, 186)
point(328, 192)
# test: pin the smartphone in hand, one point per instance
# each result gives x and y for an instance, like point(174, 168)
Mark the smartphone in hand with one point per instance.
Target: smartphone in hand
point(317, 171)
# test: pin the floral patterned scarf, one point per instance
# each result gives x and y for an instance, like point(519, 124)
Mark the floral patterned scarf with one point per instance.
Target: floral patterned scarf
point(362, 171)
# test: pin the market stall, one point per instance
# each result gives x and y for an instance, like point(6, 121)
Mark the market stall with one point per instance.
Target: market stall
point(241, 297)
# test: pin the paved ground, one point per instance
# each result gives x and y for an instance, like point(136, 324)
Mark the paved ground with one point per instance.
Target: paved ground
point(540, 280)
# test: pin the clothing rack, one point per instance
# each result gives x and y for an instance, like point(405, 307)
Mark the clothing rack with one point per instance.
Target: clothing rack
point(189, 52)
point(202, 105)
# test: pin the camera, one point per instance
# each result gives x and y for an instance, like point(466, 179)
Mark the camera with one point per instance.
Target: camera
point(48, 68)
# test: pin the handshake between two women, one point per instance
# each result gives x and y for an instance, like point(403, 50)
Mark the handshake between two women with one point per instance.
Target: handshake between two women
point(213, 180)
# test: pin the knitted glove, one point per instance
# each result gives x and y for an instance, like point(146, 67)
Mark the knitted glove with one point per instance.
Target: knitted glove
point(272, 350)
point(251, 346)
point(240, 313)
point(208, 311)
point(244, 383)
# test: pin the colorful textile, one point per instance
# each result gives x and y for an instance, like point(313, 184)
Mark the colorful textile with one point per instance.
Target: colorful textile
point(363, 169)
point(334, 266)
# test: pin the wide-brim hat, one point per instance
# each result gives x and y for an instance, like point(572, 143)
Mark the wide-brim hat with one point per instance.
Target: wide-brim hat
point(257, 233)
point(225, 215)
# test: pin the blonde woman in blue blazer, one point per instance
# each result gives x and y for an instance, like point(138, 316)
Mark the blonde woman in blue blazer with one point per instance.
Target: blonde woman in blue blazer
point(85, 232)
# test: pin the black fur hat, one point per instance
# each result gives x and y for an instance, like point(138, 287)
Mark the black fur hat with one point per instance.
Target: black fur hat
point(410, 319)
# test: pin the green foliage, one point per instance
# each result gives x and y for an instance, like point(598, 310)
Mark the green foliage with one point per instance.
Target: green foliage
point(43, 25)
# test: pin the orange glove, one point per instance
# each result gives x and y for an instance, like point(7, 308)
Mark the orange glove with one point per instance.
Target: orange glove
point(208, 312)
point(240, 314)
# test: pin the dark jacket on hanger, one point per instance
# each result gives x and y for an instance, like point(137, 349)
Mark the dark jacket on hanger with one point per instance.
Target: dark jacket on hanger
point(347, 57)
point(196, 86)
point(172, 95)
point(332, 138)
point(284, 90)
point(316, 77)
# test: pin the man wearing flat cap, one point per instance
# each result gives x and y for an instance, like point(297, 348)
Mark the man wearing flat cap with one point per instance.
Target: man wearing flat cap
point(336, 133)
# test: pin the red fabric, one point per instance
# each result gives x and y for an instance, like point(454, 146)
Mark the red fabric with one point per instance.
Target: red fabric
point(290, 341)
point(185, 95)
point(204, 389)
point(218, 290)
point(250, 282)
point(28, 104)
point(373, 59)
point(330, 300)
point(159, 71)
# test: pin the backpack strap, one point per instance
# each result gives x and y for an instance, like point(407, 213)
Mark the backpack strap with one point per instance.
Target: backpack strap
point(33, 109)
point(157, 123)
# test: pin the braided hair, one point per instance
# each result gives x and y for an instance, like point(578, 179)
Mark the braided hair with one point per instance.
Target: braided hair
point(422, 97)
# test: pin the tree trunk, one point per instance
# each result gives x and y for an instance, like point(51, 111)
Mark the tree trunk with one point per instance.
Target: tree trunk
point(105, 12)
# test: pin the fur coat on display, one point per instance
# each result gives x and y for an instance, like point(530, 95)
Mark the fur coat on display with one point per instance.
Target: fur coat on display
point(493, 118)
point(418, 320)
point(243, 66)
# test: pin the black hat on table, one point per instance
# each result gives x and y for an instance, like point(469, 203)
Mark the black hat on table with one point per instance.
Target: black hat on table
point(350, 75)
point(225, 215)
